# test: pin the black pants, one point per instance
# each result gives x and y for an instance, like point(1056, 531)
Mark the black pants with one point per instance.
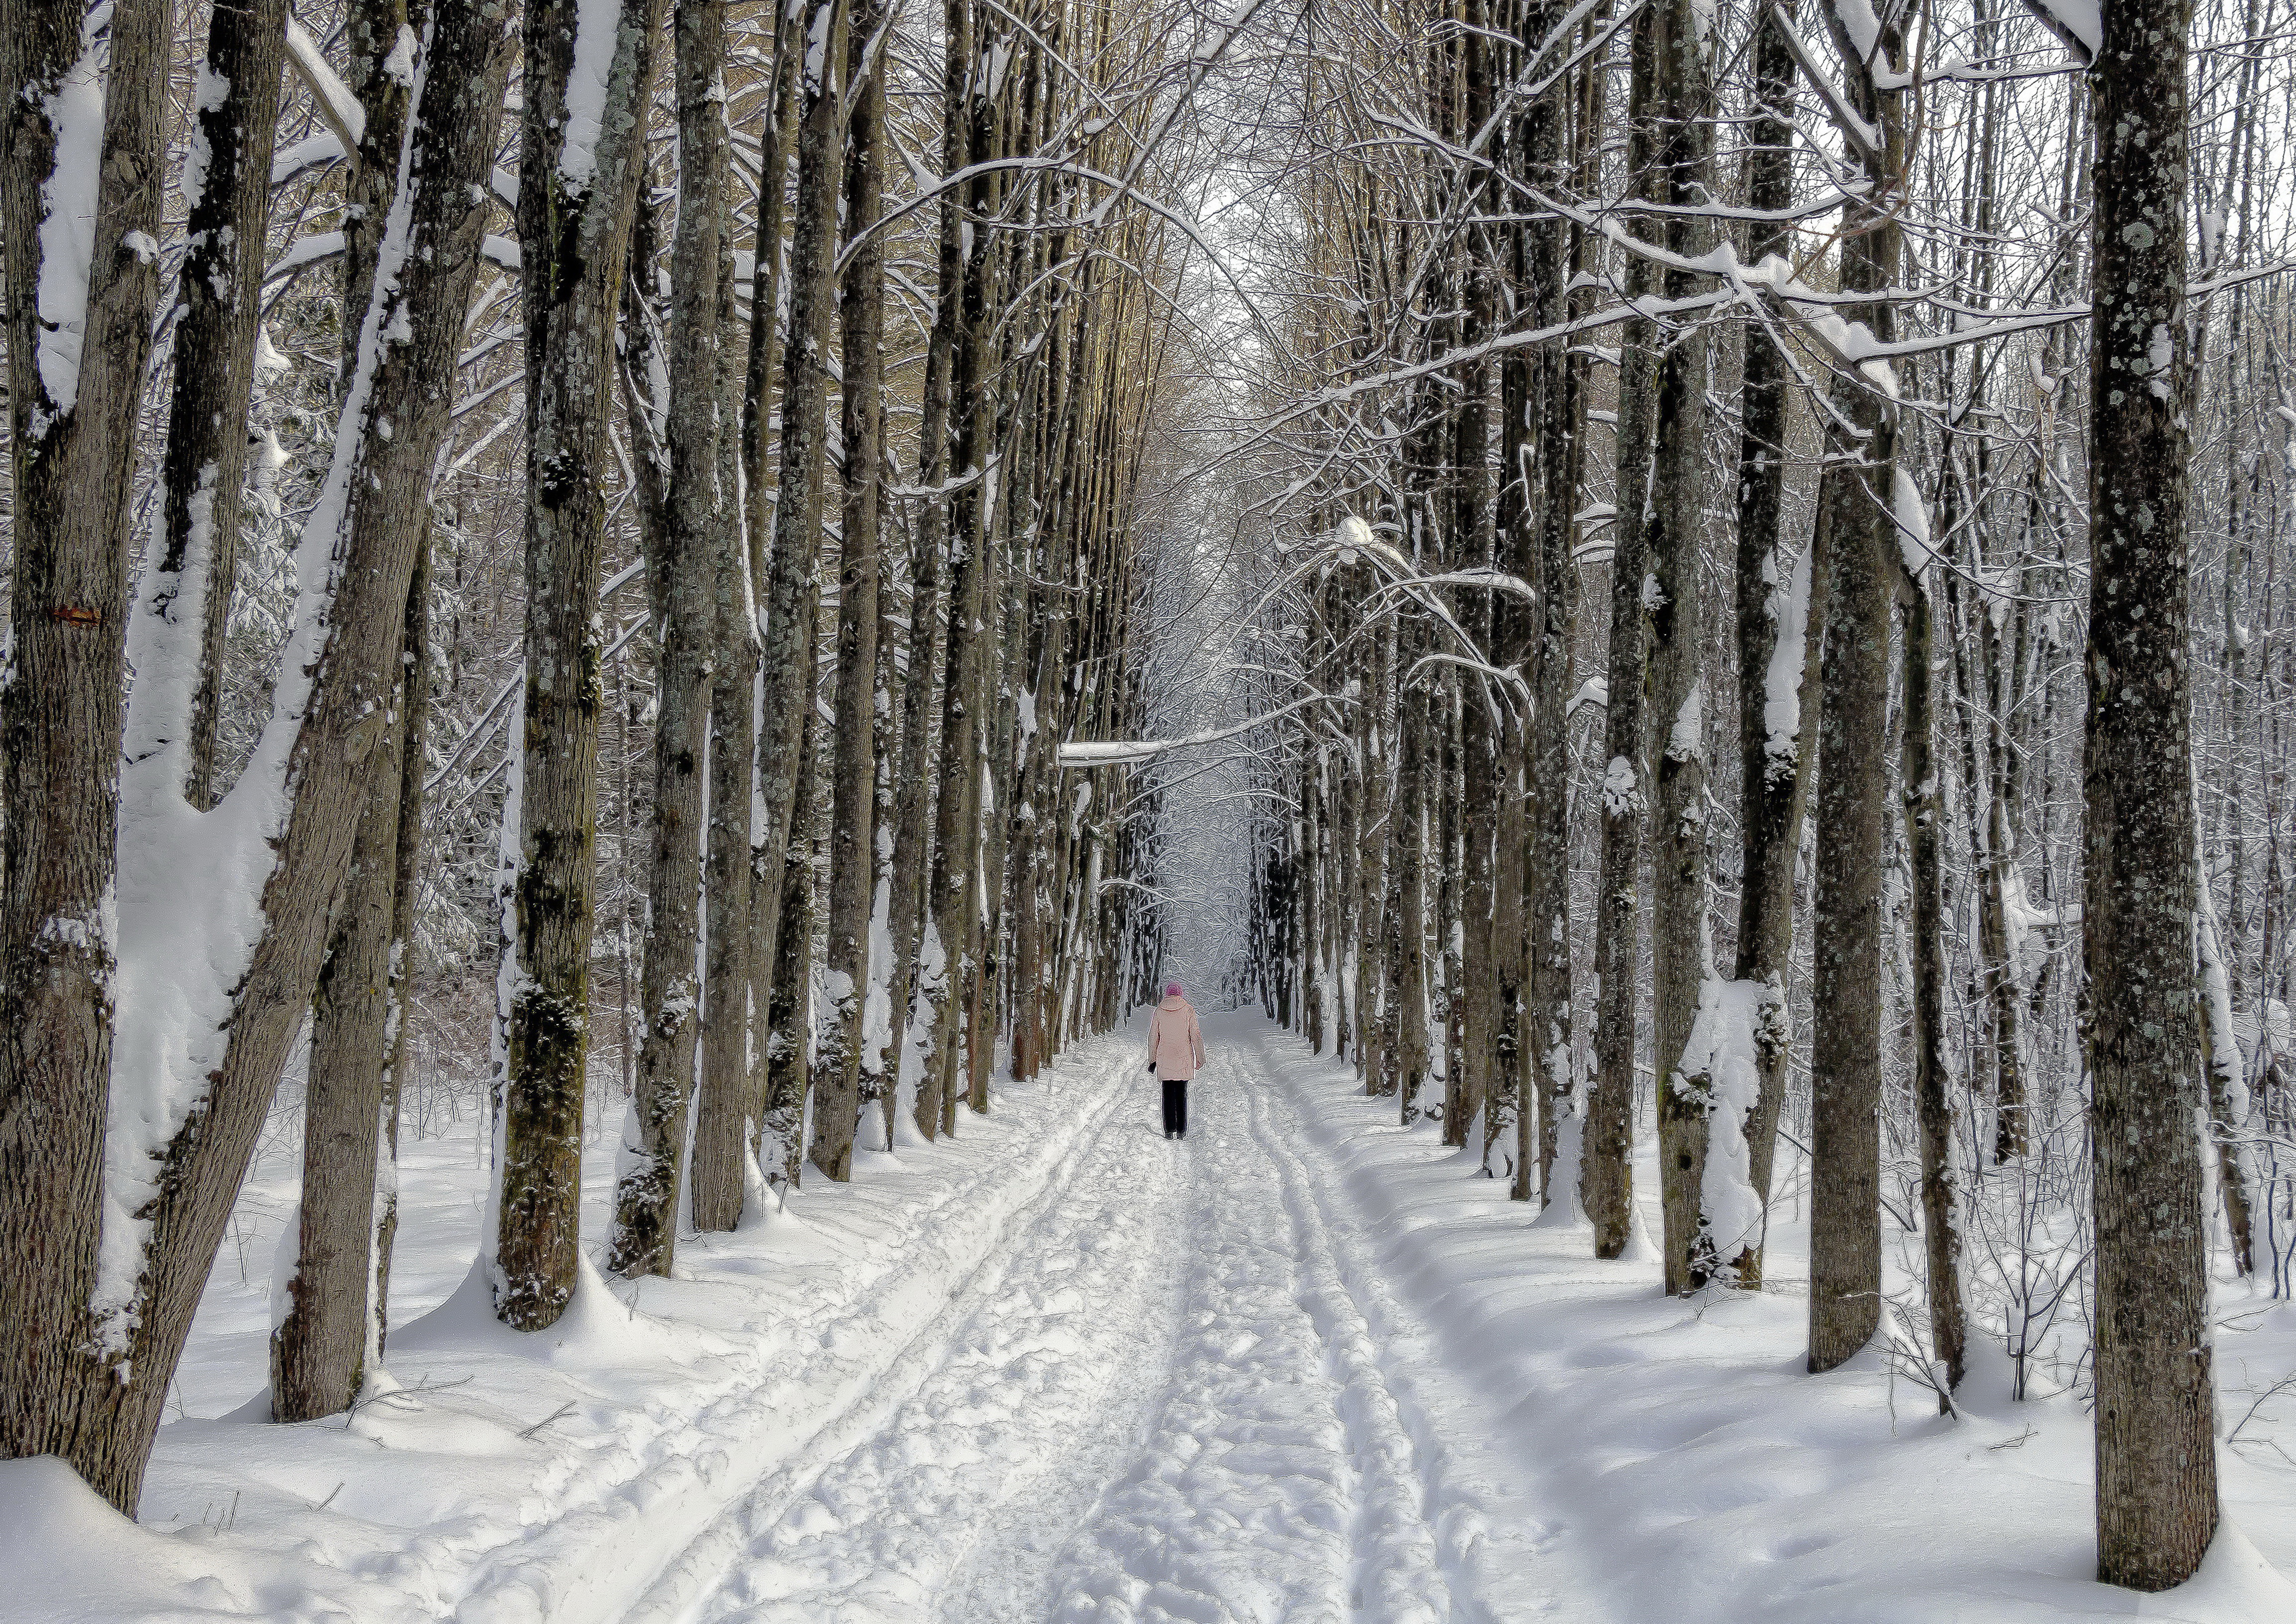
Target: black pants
point(1176, 1105)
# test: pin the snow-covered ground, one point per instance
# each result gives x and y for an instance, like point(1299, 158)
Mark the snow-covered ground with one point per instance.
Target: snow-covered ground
point(1304, 1366)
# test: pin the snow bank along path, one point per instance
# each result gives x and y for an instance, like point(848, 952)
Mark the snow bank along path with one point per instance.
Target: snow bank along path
point(1305, 1365)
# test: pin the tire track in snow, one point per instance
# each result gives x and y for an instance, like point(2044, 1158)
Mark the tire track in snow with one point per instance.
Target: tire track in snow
point(685, 1584)
point(1274, 1485)
point(1397, 1571)
point(1487, 1554)
point(1021, 1364)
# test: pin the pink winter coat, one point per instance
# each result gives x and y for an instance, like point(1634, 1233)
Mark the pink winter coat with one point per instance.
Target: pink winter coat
point(1175, 1043)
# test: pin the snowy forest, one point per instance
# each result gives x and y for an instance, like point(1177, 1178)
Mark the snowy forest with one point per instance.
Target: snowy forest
point(1665, 630)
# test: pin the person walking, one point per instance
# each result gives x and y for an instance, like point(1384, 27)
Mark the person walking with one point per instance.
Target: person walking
point(1175, 1048)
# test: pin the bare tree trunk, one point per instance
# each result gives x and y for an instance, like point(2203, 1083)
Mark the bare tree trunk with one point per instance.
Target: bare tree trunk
point(1776, 612)
point(788, 1014)
point(678, 589)
point(1606, 1178)
point(768, 297)
point(2228, 1097)
point(2156, 1480)
point(1932, 1102)
point(943, 967)
point(1680, 945)
point(913, 813)
point(726, 1101)
point(72, 417)
point(1410, 841)
point(577, 194)
point(1373, 737)
point(407, 888)
point(1474, 995)
point(333, 1323)
point(845, 1051)
point(1857, 506)
point(705, 507)
point(793, 596)
point(1563, 454)
point(227, 207)
point(335, 1318)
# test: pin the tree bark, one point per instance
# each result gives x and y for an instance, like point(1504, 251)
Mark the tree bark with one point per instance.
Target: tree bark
point(349, 1213)
point(1680, 946)
point(706, 505)
point(1606, 1178)
point(1932, 1100)
point(793, 594)
point(845, 1052)
point(1776, 605)
point(1858, 500)
point(219, 289)
point(578, 196)
point(2156, 1481)
point(72, 419)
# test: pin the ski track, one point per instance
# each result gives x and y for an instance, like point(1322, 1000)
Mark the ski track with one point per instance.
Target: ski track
point(1161, 1402)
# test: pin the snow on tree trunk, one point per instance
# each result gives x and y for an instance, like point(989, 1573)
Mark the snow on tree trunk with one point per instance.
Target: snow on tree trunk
point(793, 592)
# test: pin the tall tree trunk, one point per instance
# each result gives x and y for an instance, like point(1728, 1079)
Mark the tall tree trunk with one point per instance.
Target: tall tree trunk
point(1932, 1100)
point(1553, 1065)
point(1775, 611)
point(228, 209)
point(1606, 1179)
point(77, 350)
point(726, 1100)
point(913, 816)
point(793, 596)
point(1476, 991)
point(679, 576)
point(1680, 945)
point(1412, 802)
point(1857, 504)
point(2156, 1481)
point(760, 481)
point(706, 506)
point(332, 1325)
point(335, 1316)
point(943, 969)
point(788, 1015)
point(580, 163)
point(406, 902)
point(846, 1050)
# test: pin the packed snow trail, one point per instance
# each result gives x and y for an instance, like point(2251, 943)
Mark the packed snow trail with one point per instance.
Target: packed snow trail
point(1305, 1365)
point(1160, 1404)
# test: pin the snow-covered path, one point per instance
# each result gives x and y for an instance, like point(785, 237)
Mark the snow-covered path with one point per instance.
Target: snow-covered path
point(1160, 1403)
point(1309, 1367)
point(1304, 1367)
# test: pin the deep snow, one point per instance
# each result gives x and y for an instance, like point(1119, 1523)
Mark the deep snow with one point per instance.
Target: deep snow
point(1305, 1365)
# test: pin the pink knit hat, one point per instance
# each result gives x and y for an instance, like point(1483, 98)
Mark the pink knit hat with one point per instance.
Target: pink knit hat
point(1171, 989)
